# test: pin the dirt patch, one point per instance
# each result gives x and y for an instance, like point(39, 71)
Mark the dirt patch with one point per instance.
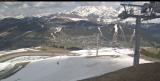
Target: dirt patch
point(147, 58)
point(53, 50)
point(141, 72)
point(151, 52)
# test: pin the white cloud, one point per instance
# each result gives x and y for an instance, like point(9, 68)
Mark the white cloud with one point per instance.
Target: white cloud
point(38, 4)
point(25, 6)
point(36, 8)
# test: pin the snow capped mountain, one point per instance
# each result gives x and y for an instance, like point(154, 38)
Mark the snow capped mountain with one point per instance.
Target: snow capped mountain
point(97, 13)
point(102, 14)
point(97, 10)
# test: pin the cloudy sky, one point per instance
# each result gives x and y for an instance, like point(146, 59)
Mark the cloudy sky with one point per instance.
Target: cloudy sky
point(13, 9)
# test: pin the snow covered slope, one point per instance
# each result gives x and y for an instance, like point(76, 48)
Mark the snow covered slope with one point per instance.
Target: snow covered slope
point(73, 68)
point(70, 68)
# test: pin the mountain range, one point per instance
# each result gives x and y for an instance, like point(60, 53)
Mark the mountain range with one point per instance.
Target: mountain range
point(79, 25)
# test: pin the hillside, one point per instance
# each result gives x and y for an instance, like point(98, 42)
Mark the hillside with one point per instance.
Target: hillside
point(75, 26)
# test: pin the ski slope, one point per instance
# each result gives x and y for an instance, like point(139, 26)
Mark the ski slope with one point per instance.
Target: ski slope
point(73, 68)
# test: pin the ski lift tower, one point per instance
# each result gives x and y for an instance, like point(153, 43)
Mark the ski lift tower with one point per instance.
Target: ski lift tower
point(140, 12)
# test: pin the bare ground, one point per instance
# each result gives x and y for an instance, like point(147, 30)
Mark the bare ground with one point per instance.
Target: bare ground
point(141, 72)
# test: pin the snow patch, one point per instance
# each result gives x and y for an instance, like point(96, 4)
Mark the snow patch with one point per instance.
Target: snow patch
point(6, 66)
point(27, 58)
point(3, 66)
point(77, 19)
point(16, 51)
point(104, 51)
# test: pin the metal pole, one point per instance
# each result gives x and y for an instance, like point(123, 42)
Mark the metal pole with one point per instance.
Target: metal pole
point(137, 42)
point(97, 44)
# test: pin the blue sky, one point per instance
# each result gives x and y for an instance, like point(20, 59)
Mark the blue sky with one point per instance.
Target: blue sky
point(41, 8)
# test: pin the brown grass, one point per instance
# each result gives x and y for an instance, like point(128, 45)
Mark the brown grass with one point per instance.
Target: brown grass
point(151, 52)
point(46, 51)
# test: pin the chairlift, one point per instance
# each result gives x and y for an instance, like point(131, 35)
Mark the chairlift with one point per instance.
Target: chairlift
point(145, 15)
